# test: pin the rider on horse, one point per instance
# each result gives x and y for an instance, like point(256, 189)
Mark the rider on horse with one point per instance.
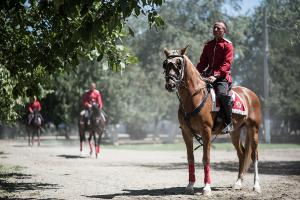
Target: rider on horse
point(34, 106)
point(89, 98)
point(215, 62)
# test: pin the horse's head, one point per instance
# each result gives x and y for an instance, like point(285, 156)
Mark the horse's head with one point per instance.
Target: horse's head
point(174, 68)
point(95, 109)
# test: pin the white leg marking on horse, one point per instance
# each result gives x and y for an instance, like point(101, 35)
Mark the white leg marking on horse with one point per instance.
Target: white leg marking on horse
point(207, 190)
point(238, 184)
point(189, 188)
point(256, 186)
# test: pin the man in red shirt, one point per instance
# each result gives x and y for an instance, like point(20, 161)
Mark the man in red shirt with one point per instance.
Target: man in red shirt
point(89, 98)
point(215, 62)
point(34, 106)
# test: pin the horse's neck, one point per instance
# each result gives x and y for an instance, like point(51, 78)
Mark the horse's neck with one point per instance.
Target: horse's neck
point(192, 85)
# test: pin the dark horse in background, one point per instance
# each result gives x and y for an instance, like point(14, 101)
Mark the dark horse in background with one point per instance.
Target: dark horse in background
point(34, 127)
point(197, 119)
point(95, 124)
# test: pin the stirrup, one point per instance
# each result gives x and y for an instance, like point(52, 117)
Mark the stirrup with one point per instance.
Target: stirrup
point(227, 129)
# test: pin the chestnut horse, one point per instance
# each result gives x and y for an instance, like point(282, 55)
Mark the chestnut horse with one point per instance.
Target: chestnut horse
point(96, 128)
point(197, 119)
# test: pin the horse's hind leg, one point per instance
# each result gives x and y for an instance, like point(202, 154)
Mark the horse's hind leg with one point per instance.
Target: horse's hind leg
point(38, 132)
point(188, 139)
point(90, 144)
point(235, 139)
point(81, 135)
point(29, 137)
point(254, 157)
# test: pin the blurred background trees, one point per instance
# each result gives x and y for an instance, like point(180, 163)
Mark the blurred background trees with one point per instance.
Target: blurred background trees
point(128, 70)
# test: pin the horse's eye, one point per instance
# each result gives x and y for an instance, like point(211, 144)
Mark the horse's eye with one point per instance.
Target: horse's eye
point(178, 62)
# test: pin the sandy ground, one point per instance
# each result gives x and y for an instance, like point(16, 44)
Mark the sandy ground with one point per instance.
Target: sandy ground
point(59, 172)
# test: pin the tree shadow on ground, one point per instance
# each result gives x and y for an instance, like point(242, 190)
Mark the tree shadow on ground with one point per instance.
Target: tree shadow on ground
point(153, 192)
point(8, 186)
point(70, 156)
point(264, 167)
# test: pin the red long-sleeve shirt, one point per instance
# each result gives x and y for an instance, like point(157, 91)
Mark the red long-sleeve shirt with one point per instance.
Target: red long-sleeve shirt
point(92, 96)
point(34, 105)
point(218, 57)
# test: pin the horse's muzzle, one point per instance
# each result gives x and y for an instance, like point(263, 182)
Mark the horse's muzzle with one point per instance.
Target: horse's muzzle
point(170, 87)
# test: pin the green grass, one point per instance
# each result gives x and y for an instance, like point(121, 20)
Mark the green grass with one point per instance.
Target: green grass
point(181, 147)
point(10, 169)
point(165, 147)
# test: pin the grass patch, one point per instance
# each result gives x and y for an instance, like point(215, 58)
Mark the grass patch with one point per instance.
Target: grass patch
point(181, 147)
point(5, 169)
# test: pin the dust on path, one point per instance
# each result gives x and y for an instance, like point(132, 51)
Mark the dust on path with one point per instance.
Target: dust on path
point(58, 172)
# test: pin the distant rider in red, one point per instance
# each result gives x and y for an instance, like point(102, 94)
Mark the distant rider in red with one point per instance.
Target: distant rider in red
point(33, 106)
point(215, 62)
point(90, 97)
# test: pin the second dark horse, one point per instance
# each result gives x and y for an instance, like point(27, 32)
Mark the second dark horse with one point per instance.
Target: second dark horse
point(95, 125)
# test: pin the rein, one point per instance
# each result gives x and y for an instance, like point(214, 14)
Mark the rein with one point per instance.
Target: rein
point(179, 82)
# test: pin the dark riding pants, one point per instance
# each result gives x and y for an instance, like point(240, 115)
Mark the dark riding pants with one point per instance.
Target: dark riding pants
point(222, 88)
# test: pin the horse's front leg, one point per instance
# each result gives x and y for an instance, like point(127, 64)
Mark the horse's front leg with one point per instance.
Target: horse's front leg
point(206, 161)
point(99, 142)
point(188, 139)
point(90, 144)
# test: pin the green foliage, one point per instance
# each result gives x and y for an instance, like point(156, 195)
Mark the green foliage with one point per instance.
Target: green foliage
point(41, 39)
point(284, 63)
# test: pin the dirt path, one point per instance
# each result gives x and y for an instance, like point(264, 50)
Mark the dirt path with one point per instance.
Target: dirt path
point(58, 172)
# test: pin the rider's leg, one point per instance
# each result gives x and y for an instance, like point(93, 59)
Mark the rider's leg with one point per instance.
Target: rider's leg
point(226, 104)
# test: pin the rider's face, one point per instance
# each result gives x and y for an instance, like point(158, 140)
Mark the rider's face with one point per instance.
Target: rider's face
point(219, 30)
point(92, 87)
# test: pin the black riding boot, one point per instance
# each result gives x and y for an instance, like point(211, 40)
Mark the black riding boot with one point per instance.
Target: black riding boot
point(226, 102)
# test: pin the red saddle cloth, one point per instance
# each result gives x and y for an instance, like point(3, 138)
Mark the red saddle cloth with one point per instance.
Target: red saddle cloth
point(238, 107)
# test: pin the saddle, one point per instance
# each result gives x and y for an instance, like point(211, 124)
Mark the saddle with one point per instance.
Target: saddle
point(238, 105)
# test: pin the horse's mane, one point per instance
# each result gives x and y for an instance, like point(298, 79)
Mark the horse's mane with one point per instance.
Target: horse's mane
point(193, 68)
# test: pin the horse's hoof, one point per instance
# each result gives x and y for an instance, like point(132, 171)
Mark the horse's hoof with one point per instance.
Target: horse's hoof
point(237, 186)
point(189, 191)
point(257, 188)
point(206, 190)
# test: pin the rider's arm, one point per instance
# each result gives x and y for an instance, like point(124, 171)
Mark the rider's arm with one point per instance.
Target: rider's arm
point(39, 106)
point(85, 101)
point(30, 109)
point(225, 67)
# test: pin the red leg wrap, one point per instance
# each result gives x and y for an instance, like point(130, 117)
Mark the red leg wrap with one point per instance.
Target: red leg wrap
point(207, 174)
point(192, 173)
point(97, 149)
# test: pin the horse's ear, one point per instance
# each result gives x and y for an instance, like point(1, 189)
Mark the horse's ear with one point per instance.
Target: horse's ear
point(182, 51)
point(166, 51)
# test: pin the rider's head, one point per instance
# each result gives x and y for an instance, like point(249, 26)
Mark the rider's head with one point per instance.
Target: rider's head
point(92, 86)
point(219, 29)
point(32, 98)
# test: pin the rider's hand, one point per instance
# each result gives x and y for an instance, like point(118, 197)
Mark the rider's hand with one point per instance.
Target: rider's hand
point(212, 79)
point(89, 105)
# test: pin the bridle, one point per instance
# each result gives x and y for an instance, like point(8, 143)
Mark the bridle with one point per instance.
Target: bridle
point(178, 64)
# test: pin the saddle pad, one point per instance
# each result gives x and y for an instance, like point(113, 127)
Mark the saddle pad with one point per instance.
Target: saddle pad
point(238, 107)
